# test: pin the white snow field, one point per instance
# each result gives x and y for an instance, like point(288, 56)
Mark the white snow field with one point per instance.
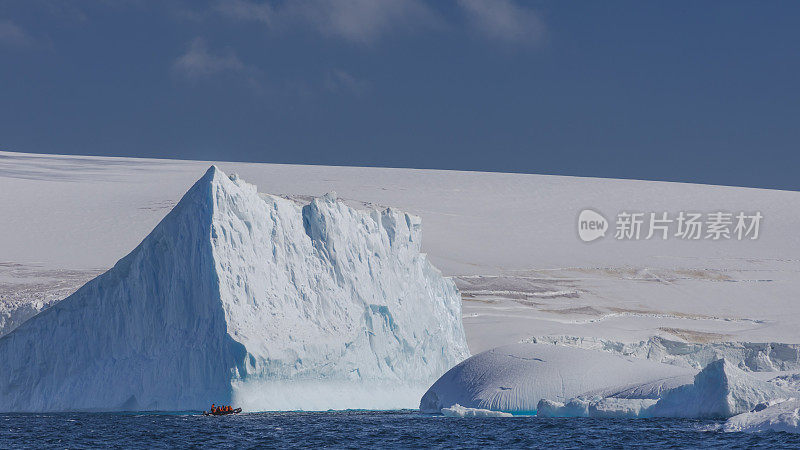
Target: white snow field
point(508, 241)
point(234, 292)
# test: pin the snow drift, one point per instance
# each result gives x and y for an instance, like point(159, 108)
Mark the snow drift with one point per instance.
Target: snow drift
point(514, 378)
point(235, 294)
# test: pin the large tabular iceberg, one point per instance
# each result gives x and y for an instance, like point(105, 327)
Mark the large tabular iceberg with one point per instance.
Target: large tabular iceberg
point(246, 298)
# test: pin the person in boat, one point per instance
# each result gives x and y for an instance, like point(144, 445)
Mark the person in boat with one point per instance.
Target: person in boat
point(222, 410)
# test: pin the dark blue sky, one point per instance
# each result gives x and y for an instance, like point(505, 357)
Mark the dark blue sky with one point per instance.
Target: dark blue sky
point(705, 92)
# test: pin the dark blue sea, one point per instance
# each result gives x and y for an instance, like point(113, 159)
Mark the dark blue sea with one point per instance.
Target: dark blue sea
point(357, 429)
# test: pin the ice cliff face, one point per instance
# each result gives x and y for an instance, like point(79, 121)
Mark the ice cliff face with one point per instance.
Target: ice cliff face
point(234, 294)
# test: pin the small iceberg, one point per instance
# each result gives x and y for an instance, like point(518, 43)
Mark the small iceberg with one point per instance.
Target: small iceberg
point(461, 411)
point(617, 408)
point(775, 416)
point(720, 390)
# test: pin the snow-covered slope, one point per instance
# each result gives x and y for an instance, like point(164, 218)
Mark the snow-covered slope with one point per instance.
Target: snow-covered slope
point(235, 293)
point(750, 356)
point(509, 240)
point(514, 378)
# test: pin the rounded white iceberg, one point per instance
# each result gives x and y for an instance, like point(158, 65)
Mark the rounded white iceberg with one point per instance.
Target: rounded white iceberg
point(514, 378)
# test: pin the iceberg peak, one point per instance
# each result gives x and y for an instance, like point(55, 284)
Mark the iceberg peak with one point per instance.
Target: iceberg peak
point(211, 174)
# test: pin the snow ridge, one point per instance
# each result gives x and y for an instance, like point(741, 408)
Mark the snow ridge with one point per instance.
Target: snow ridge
point(748, 356)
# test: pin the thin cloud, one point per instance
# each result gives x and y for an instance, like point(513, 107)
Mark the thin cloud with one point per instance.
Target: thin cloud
point(339, 80)
point(198, 62)
point(246, 10)
point(504, 20)
point(12, 35)
point(355, 21)
point(365, 21)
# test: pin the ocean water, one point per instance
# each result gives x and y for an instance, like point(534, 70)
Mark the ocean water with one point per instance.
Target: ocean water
point(357, 429)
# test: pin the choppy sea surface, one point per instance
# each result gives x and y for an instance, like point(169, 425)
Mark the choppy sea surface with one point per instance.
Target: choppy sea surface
point(357, 429)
